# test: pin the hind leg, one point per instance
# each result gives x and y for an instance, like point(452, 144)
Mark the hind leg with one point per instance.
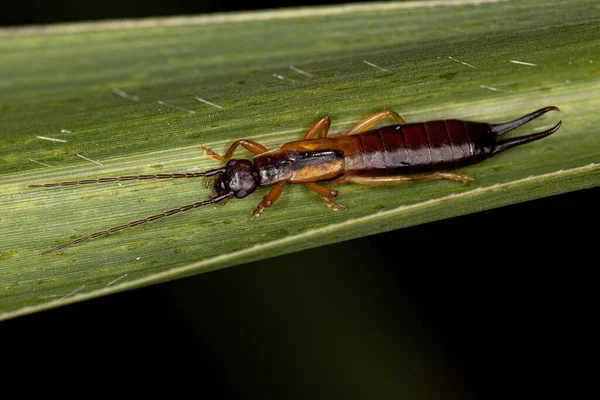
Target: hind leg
point(373, 120)
point(385, 180)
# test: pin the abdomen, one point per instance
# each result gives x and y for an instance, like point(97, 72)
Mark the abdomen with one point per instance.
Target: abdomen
point(410, 148)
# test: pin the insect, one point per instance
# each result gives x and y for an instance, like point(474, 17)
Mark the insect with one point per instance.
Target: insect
point(392, 154)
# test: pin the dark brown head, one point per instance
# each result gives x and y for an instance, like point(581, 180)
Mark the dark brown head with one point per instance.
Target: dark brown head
point(238, 178)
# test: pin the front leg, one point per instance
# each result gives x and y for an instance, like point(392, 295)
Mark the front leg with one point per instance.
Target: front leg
point(268, 200)
point(252, 146)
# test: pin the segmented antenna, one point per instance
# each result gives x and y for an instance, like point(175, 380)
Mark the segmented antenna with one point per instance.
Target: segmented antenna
point(129, 178)
point(140, 221)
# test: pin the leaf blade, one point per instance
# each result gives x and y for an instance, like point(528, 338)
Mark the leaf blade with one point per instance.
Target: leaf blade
point(71, 96)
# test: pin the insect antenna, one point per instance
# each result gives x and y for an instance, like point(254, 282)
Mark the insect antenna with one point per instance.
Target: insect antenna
point(501, 129)
point(140, 221)
point(129, 178)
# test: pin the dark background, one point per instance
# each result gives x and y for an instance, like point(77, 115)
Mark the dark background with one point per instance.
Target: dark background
point(491, 304)
point(44, 12)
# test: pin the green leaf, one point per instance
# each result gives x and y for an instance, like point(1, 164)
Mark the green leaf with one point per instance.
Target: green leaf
point(123, 94)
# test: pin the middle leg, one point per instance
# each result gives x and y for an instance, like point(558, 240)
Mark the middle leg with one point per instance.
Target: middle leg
point(327, 195)
point(321, 126)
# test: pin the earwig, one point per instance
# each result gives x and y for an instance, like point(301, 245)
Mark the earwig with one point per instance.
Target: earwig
point(391, 154)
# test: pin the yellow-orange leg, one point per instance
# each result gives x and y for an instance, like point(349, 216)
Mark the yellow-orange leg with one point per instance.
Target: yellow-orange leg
point(268, 200)
point(373, 120)
point(322, 190)
point(321, 126)
point(385, 180)
point(253, 147)
point(327, 195)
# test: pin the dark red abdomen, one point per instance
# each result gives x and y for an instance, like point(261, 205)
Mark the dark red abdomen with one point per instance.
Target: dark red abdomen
point(417, 148)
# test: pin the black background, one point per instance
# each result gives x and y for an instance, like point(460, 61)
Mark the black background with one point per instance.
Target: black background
point(43, 12)
point(492, 304)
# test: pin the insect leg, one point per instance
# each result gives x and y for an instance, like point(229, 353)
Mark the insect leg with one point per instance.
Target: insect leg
point(321, 126)
point(268, 200)
point(253, 147)
point(383, 180)
point(327, 195)
point(373, 120)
